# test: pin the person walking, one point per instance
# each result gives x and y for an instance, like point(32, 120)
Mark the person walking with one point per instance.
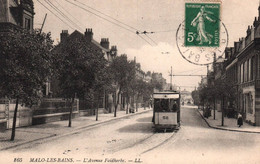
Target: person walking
point(239, 120)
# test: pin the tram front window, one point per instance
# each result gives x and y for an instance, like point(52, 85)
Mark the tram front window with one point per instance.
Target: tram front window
point(173, 105)
point(161, 105)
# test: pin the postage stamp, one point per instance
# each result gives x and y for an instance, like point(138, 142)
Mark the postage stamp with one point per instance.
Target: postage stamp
point(202, 24)
point(202, 36)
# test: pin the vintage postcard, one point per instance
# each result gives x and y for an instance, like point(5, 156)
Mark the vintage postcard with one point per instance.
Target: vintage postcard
point(129, 82)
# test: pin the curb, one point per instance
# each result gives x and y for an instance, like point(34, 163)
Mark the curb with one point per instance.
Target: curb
point(77, 130)
point(232, 130)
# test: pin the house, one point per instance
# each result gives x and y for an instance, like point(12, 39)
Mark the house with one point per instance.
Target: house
point(15, 15)
point(104, 47)
point(243, 70)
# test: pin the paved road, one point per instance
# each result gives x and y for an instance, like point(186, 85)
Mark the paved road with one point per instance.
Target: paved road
point(197, 143)
point(133, 138)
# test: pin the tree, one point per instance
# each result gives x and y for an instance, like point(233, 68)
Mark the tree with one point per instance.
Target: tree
point(148, 91)
point(103, 82)
point(140, 89)
point(157, 84)
point(123, 72)
point(78, 68)
point(26, 62)
point(195, 97)
point(221, 89)
point(224, 90)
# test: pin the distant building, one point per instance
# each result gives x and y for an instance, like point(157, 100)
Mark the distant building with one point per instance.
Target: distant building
point(159, 78)
point(148, 77)
point(139, 73)
point(186, 97)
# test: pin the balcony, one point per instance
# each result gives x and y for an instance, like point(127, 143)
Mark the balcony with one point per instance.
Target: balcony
point(247, 84)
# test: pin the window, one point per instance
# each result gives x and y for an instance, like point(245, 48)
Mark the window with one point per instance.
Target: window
point(27, 24)
point(166, 105)
point(242, 73)
point(245, 71)
point(252, 67)
point(250, 103)
point(249, 69)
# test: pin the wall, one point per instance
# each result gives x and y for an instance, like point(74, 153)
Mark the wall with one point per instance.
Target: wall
point(54, 109)
point(24, 115)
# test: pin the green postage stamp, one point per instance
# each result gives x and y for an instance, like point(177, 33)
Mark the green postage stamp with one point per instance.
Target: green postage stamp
point(202, 24)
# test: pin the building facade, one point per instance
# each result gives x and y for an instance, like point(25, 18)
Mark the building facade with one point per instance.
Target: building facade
point(16, 14)
point(243, 70)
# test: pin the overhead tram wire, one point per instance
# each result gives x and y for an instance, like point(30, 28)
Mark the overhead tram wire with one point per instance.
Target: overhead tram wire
point(198, 69)
point(55, 15)
point(68, 12)
point(116, 21)
point(145, 40)
point(109, 21)
point(151, 39)
point(100, 16)
point(107, 15)
point(155, 32)
point(120, 21)
point(62, 14)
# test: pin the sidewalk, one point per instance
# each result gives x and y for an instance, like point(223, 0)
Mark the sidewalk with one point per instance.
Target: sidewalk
point(33, 133)
point(230, 124)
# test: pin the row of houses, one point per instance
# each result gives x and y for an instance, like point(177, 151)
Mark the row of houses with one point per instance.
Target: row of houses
point(19, 14)
point(241, 68)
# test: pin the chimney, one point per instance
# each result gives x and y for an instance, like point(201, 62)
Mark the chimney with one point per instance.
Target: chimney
point(113, 51)
point(236, 46)
point(63, 35)
point(248, 31)
point(256, 22)
point(259, 9)
point(105, 43)
point(89, 34)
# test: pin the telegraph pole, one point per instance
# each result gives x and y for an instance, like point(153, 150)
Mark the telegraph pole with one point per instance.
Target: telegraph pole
point(43, 23)
point(214, 72)
point(171, 79)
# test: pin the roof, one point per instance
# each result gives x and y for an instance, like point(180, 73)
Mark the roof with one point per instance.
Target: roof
point(76, 34)
point(167, 92)
point(99, 46)
point(166, 95)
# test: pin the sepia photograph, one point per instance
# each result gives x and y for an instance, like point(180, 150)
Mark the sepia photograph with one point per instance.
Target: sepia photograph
point(129, 81)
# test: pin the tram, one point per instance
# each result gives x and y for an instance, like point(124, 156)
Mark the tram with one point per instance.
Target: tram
point(166, 110)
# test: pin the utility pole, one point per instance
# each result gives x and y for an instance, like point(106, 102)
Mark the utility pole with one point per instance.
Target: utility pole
point(222, 117)
point(171, 79)
point(214, 71)
point(43, 23)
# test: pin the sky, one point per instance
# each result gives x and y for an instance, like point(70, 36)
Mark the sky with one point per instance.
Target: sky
point(119, 20)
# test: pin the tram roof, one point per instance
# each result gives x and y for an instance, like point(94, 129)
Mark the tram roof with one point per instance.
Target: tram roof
point(167, 92)
point(166, 95)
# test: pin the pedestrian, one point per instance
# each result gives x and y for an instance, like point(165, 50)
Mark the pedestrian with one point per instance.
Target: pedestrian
point(239, 120)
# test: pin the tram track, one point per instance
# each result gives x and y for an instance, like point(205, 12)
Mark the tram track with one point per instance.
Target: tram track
point(149, 143)
point(134, 144)
point(161, 143)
